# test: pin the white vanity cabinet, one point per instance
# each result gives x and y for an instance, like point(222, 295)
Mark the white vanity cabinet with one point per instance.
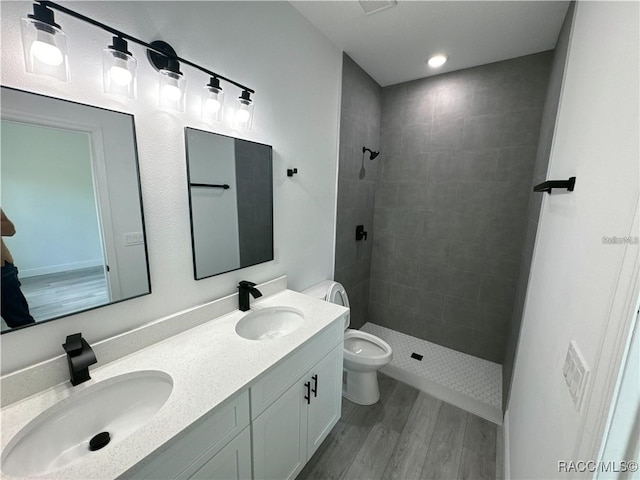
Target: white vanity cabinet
point(294, 406)
point(287, 432)
point(218, 446)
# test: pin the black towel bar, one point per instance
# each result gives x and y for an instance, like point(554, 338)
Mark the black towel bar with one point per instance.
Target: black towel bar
point(551, 184)
point(210, 185)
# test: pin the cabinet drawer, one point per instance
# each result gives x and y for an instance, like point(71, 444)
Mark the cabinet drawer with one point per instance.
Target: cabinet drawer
point(191, 449)
point(285, 373)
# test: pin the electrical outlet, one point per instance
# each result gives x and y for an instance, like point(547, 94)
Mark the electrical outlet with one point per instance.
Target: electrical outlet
point(576, 374)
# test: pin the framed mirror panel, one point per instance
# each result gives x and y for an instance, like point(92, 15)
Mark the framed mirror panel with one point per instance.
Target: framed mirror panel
point(73, 223)
point(230, 200)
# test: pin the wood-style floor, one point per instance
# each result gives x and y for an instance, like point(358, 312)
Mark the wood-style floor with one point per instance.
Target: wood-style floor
point(407, 435)
point(57, 294)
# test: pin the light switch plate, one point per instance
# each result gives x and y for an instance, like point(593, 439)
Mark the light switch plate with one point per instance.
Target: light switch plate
point(576, 373)
point(133, 238)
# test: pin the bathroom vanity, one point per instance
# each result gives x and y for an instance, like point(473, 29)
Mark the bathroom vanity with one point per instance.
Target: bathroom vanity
point(238, 408)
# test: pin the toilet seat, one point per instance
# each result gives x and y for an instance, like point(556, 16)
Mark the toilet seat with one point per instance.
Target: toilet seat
point(365, 352)
point(364, 344)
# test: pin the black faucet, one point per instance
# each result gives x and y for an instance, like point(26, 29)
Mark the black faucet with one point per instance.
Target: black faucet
point(245, 288)
point(79, 356)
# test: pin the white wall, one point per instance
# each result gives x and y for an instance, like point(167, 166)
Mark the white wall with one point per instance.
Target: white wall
point(47, 192)
point(296, 73)
point(573, 284)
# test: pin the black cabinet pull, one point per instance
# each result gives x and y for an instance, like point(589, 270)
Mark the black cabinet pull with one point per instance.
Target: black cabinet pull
point(307, 397)
point(315, 385)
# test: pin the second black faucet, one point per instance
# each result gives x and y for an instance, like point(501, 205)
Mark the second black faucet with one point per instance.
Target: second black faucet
point(244, 289)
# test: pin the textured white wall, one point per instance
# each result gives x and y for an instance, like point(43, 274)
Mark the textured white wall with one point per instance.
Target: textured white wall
point(295, 71)
point(574, 280)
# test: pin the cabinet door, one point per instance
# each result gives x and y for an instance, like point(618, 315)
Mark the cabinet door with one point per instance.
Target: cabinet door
point(280, 436)
point(233, 462)
point(189, 451)
point(326, 402)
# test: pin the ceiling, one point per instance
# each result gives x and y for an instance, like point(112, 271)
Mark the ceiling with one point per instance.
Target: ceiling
point(393, 45)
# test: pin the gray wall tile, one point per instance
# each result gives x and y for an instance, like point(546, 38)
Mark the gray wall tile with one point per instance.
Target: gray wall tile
point(483, 131)
point(452, 197)
point(446, 202)
point(359, 126)
point(515, 164)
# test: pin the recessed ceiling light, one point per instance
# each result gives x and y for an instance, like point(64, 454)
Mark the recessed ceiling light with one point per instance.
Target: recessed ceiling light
point(437, 61)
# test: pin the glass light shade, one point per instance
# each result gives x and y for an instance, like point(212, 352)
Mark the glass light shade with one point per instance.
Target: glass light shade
point(243, 117)
point(45, 49)
point(172, 90)
point(119, 73)
point(212, 104)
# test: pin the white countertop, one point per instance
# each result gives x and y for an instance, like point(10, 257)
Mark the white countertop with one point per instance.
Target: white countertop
point(208, 364)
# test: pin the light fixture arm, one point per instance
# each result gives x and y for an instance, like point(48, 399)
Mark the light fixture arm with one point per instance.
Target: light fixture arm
point(131, 38)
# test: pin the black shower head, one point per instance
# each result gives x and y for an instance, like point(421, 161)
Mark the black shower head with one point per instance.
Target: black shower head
point(372, 154)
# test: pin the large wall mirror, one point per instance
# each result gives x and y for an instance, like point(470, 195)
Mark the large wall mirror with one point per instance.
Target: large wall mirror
point(231, 202)
point(72, 210)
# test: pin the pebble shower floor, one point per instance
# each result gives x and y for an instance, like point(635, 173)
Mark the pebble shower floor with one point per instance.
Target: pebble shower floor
point(464, 375)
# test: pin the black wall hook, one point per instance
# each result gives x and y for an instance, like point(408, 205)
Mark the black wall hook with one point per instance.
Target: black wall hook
point(291, 172)
point(551, 184)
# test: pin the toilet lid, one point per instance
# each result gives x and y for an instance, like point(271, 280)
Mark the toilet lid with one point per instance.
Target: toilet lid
point(338, 295)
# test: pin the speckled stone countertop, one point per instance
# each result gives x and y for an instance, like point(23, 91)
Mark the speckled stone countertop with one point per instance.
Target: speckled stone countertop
point(208, 364)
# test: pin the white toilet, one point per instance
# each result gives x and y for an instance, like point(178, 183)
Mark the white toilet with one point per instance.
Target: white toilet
point(364, 353)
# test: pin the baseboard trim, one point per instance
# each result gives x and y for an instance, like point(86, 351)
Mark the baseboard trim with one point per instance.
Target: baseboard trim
point(63, 267)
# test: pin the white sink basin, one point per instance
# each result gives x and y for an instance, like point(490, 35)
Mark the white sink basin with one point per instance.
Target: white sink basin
point(268, 323)
point(61, 434)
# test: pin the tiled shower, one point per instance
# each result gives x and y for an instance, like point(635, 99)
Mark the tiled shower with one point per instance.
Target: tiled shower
point(447, 205)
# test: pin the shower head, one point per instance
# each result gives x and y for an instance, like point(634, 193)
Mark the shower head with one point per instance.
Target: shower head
point(372, 154)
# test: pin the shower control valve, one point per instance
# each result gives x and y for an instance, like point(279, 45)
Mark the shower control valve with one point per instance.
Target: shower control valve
point(360, 233)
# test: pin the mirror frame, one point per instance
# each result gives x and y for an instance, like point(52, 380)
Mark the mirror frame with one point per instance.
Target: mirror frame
point(193, 249)
point(13, 116)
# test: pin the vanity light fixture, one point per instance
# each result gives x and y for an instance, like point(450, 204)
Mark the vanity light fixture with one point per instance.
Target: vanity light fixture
point(44, 44)
point(119, 69)
point(213, 101)
point(45, 51)
point(436, 61)
point(172, 87)
point(171, 93)
point(244, 111)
